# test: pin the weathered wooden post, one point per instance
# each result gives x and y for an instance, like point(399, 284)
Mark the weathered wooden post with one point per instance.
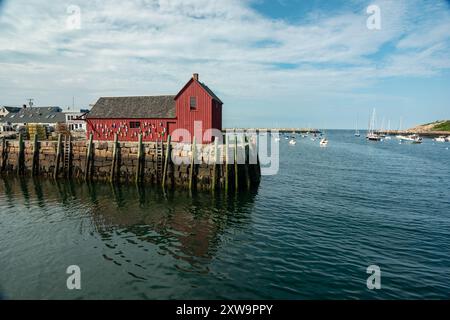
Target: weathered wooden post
point(69, 157)
point(214, 175)
point(139, 160)
point(247, 157)
point(226, 163)
point(87, 170)
point(114, 158)
point(35, 162)
point(58, 156)
point(191, 173)
point(236, 165)
point(166, 161)
point(21, 155)
point(3, 165)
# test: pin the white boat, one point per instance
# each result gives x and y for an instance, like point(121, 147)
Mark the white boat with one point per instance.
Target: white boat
point(323, 142)
point(440, 139)
point(373, 137)
point(417, 140)
point(387, 136)
point(414, 138)
point(371, 134)
point(292, 142)
point(448, 139)
point(357, 134)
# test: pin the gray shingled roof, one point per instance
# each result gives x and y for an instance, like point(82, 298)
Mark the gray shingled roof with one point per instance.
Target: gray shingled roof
point(134, 107)
point(210, 92)
point(36, 115)
point(11, 109)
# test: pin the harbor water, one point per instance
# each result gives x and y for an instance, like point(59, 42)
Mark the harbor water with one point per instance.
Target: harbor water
point(308, 232)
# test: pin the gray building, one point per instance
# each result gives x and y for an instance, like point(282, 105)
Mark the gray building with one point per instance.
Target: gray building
point(47, 116)
point(5, 110)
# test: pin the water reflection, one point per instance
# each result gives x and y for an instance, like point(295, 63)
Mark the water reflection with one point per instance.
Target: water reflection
point(188, 227)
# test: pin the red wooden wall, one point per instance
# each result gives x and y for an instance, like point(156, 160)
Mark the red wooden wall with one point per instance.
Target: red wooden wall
point(208, 112)
point(203, 112)
point(151, 129)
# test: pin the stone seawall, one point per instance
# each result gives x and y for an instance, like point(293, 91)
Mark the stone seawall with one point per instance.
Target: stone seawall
point(182, 165)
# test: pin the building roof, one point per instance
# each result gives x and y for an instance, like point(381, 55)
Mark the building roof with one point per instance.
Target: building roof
point(11, 109)
point(204, 86)
point(210, 92)
point(134, 107)
point(36, 115)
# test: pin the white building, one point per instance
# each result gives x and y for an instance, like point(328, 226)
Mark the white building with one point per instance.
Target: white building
point(5, 110)
point(75, 121)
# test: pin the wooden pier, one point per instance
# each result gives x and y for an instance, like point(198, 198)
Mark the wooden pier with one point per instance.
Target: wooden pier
point(167, 164)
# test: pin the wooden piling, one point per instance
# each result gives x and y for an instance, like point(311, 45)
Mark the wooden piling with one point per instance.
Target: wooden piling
point(21, 156)
point(87, 170)
point(236, 166)
point(247, 160)
point(166, 161)
point(3, 165)
point(114, 159)
point(214, 174)
point(139, 160)
point(226, 163)
point(69, 157)
point(191, 172)
point(58, 156)
point(35, 162)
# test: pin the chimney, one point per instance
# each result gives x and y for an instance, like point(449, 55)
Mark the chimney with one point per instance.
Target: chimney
point(195, 76)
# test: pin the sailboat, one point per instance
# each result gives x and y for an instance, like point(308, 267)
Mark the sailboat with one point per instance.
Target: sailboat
point(400, 136)
point(381, 131)
point(388, 137)
point(371, 135)
point(324, 141)
point(357, 134)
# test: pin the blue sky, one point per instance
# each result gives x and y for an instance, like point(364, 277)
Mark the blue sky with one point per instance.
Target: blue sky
point(289, 63)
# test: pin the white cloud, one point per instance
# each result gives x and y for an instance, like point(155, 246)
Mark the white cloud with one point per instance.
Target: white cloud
point(150, 47)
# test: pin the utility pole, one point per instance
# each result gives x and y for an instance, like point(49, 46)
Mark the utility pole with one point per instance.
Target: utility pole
point(30, 102)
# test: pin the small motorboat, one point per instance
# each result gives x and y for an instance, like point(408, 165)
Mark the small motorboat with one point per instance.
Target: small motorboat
point(440, 139)
point(414, 138)
point(323, 142)
point(373, 137)
point(292, 142)
point(448, 139)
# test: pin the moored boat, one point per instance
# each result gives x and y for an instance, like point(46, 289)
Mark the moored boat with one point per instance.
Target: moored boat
point(414, 138)
point(440, 139)
point(371, 134)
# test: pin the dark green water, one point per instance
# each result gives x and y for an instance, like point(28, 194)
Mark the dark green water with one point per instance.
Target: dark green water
point(309, 232)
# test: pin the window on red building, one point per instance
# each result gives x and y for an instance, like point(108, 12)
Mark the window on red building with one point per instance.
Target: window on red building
point(193, 103)
point(135, 124)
